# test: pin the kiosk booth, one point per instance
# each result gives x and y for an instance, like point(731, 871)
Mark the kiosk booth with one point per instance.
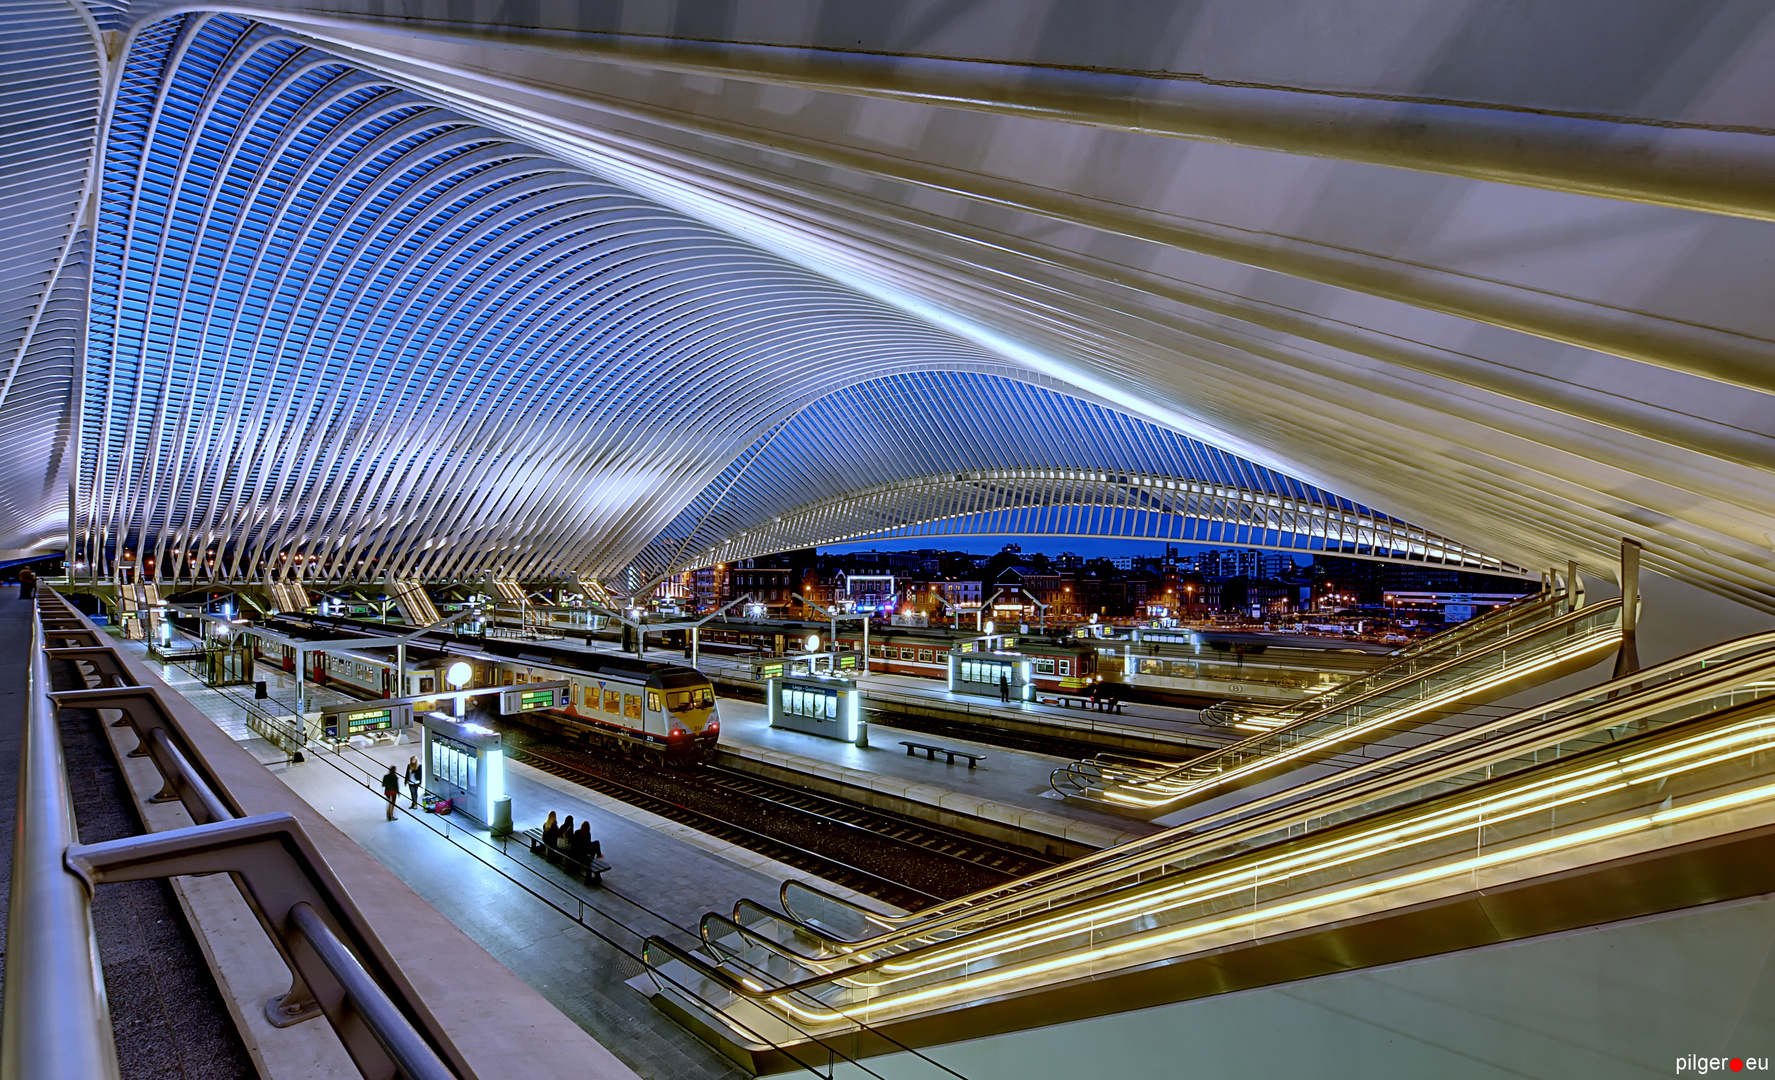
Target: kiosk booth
point(822, 705)
point(465, 763)
point(978, 672)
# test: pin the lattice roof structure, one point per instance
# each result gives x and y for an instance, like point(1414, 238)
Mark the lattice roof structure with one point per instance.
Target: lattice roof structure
point(335, 293)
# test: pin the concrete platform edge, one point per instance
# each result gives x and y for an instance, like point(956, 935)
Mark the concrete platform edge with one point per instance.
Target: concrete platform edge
point(1035, 822)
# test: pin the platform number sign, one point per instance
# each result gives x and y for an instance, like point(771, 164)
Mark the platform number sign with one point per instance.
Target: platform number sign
point(521, 701)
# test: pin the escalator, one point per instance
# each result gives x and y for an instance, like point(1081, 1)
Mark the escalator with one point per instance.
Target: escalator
point(1654, 786)
point(1428, 688)
point(1477, 633)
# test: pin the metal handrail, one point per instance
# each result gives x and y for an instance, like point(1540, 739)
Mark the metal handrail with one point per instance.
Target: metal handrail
point(1237, 755)
point(338, 967)
point(1226, 713)
point(56, 1023)
point(1752, 716)
point(1624, 700)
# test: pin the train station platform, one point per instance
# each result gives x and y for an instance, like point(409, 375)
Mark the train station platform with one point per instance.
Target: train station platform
point(576, 945)
point(1009, 786)
point(1138, 727)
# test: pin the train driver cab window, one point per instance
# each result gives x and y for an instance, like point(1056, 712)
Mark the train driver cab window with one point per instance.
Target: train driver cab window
point(612, 701)
point(679, 700)
point(653, 701)
point(427, 684)
point(705, 698)
point(924, 656)
point(631, 706)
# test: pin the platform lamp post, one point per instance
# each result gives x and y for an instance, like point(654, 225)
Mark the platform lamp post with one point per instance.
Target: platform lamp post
point(458, 676)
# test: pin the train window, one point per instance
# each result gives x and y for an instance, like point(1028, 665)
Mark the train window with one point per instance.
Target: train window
point(427, 684)
point(1066, 667)
point(679, 700)
point(590, 696)
point(631, 706)
point(907, 654)
point(1044, 665)
point(706, 698)
point(510, 678)
point(612, 701)
point(653, 701)
point(924, 656)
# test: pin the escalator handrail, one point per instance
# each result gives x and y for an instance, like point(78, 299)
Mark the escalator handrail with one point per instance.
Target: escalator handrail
point(1678, 730)
point(1327, 835)
point(1273, 734)
point(1606, 700)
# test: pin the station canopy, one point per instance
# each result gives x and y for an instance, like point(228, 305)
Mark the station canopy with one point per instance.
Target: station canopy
point(349, 296)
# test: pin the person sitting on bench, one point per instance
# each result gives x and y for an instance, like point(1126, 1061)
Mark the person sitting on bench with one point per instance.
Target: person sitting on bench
point(585, 849)
point(550, 829)
point(564, 838)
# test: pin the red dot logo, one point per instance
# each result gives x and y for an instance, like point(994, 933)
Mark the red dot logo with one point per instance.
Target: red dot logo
point(1737, 1064)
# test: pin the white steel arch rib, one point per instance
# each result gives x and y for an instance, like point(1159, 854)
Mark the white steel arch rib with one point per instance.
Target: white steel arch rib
point(371, 336)
point(942, 454)
point(341, 332)
point(51, 69)
point(1097, 504)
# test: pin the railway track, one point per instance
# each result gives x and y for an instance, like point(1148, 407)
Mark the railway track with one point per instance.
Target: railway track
point(900, 861)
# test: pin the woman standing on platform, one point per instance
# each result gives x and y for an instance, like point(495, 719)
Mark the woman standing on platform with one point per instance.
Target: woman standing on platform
point(391, 787)
point(414, 775)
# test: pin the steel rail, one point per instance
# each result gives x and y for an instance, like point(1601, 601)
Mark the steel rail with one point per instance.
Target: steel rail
point(767, 845)
point(1621, 701)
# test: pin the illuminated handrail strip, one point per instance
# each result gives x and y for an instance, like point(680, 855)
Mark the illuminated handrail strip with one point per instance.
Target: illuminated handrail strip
point(1324, 731)
point(1648, 698)
point(1669, 754)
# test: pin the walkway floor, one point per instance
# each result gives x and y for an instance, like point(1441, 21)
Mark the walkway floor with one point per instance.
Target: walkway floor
point(1010, 777)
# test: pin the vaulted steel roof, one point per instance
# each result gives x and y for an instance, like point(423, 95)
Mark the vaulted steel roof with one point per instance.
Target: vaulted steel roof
point(1495, 269)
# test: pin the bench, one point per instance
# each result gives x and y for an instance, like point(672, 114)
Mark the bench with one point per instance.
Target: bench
point(931, 752)
point(1083, 701)
point(591, 871)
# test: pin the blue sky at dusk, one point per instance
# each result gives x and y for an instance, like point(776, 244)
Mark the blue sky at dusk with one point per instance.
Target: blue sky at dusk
point(1086, 547)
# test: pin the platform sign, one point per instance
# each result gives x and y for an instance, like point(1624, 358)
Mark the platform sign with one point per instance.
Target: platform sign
point(771, 671)
point(522, 701)
point(343, 725)
point(848, 660)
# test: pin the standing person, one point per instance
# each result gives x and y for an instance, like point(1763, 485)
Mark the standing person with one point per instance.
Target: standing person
point(391, 787)
point(1004, 687)
point(414, 775)
point(27, 584)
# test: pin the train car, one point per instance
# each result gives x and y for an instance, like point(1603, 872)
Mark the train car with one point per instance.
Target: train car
point(633, 704)
point(1064, 668)
point(368, 670)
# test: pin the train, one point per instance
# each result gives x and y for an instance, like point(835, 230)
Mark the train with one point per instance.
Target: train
point(634, 705)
